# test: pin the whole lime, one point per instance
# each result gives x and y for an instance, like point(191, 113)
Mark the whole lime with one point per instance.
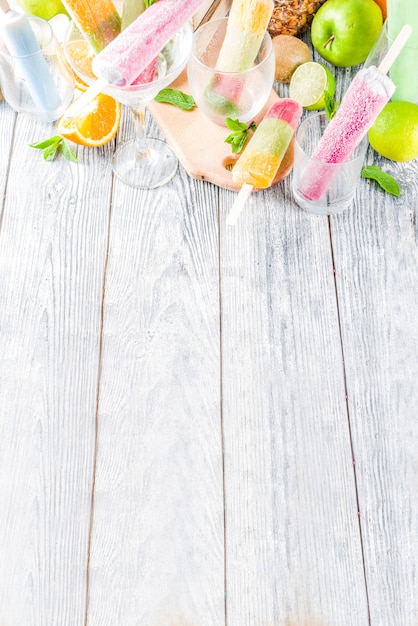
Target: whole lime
point(46, 9)
point(394, 133)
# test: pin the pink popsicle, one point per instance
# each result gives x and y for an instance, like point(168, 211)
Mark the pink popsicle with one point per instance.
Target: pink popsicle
point(121, 62)
point(366, 96)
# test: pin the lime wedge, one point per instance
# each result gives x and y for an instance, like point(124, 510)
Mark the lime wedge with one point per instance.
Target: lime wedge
point(308, 84)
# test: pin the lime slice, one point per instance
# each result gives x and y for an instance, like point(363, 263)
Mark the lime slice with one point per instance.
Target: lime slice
point(308, 84)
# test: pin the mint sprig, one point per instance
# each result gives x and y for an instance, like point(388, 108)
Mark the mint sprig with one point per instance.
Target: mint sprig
point(239, 135)
point(331, 105)
point(385, 180)
point(53, 146)
point(176, 97)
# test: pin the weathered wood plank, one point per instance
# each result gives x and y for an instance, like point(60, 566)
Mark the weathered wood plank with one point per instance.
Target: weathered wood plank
point(53, 245)
point(293, 547)
point(376, 258)
point(157, 551)
point(7, 121)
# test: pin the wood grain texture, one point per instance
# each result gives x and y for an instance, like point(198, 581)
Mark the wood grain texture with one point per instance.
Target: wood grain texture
point(157, 552)
point(7, 122)
point(52, 252)
point(376, 256)
point(292, 538)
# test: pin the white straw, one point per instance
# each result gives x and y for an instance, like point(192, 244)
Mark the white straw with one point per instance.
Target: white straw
point(85, 98)
point(395, 49)
point(238, 205)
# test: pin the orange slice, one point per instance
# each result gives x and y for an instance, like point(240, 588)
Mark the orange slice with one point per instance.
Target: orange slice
point(81, 57)
point(96, 125)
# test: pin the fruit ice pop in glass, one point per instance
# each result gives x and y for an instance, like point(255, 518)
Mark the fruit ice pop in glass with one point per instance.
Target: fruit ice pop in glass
point(247, 24)
point(404, 71)
point(98, 20)
point(122, 61)
point(130, 11)
point(364, 99)
point(262, 156)
point(28, 59)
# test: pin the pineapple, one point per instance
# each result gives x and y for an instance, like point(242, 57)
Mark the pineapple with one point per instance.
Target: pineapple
point(292, 17)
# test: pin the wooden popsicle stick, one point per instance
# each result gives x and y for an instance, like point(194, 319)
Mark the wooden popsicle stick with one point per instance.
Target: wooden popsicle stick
point(85, 98)
point(239, 203)
point(395, 49)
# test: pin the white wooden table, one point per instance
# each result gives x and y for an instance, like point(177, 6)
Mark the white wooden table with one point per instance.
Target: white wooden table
point(202, 425)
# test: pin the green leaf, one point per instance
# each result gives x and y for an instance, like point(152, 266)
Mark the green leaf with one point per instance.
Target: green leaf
point(385, 180)
point(148, 3)
point(238, 138)
point(67, 152)
point(50, 152)
point(331, 105)
point(53, 146)
point(41, 145)
point(235, 124)
point(176, 98)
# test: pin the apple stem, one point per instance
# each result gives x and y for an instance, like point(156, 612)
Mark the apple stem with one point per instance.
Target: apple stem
point(330, 38)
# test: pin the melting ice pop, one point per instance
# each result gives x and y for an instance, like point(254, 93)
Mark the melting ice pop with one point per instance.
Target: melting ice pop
point(21, 43)
point(247, 24)
point(98, 20)
point(131, 10)
point(125, 57)
point(365, 98)
point(123, 60)
point(260, 161)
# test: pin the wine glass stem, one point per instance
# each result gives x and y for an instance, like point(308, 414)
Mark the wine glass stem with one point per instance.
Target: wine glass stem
point(141, 144)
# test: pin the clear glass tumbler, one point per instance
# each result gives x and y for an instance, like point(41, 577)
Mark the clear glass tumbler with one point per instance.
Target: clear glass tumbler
point(404, 71)
point(220, 94)
point(39, 84)
point(320, 187)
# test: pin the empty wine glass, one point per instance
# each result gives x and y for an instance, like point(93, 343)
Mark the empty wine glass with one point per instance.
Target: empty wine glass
point(143, 163)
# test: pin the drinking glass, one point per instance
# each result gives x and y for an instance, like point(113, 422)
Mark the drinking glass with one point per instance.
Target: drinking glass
point(143, 162)
point(239, 95)
point(38, 84)
point(320, 187)
point(404, 71)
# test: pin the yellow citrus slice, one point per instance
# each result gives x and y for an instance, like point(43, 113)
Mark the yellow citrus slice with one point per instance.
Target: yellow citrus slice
point(81, 57)
point(308, 83)
point(95, 125)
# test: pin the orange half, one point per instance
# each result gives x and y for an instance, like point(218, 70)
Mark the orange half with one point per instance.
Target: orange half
point(96, 125)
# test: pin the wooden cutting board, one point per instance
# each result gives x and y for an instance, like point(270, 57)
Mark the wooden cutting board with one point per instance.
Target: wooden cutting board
point(200, 143)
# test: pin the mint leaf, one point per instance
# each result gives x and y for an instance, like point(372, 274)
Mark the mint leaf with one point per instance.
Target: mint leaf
point(385, 180)
point(67, 152)
point(50, 152)
point(331, 105)
point(47, 143)
point(177, 98)
point(53, 146)
point(238, 138)
point(235, 124)
point(219, 104)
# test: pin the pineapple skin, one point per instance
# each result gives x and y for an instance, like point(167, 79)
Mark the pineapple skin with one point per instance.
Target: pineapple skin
point(292, 17)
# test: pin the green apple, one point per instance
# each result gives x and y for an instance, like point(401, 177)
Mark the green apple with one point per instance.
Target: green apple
point(42, 8)
point(344, 31)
